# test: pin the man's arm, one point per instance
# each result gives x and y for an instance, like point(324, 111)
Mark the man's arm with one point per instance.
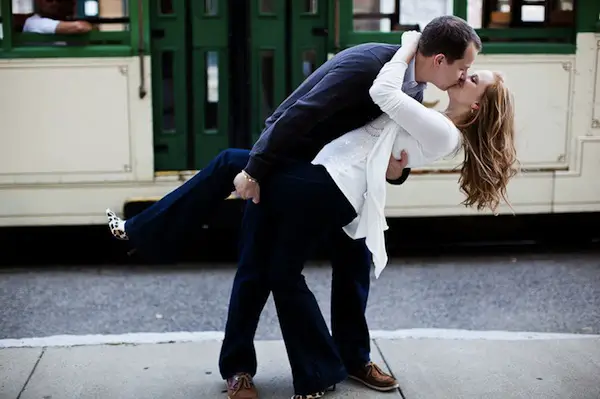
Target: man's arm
point(73, 27)
point(48, 26)
point(344, 84)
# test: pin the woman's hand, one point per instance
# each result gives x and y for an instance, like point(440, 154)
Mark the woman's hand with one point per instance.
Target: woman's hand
point(410, 41)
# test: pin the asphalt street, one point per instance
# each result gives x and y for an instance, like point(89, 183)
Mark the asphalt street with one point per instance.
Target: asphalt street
point(532, 292)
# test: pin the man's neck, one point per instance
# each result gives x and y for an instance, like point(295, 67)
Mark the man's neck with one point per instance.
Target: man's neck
point(421, 70)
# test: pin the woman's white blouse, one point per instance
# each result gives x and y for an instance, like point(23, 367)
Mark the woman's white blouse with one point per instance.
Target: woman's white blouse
point(357, 161)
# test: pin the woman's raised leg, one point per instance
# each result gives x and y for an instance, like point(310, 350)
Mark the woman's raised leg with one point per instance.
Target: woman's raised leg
point(159, 232)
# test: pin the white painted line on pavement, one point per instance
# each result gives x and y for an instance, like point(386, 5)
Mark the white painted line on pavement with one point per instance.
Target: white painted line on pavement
point(200, 336)
point(116, 339)
point(439, 333)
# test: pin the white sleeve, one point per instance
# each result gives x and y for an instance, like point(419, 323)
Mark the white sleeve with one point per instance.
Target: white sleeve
point(36, 24)
point(434, 132)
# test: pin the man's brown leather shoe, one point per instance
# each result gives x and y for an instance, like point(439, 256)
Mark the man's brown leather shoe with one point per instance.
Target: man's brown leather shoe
point(241, 386)
point(374, 377)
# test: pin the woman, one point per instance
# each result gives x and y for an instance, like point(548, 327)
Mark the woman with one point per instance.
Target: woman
point(345, 187)
point(479, 115)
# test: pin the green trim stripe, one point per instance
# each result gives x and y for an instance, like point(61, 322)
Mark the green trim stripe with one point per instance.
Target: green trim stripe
point(92, 38)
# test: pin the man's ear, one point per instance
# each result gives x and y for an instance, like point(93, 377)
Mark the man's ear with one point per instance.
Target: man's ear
point(438, 59)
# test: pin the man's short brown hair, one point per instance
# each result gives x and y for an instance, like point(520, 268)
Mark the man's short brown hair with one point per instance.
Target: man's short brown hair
point(448, 35)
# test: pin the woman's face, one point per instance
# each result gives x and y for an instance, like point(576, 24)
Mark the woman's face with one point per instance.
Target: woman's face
point(469, 92)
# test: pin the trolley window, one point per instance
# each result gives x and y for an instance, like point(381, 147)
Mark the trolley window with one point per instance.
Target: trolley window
point(72, 28)
point(505, 26)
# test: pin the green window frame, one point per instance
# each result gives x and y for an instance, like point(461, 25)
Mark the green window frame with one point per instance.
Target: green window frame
point(585, 20)
point(130, 42)
point(522, 39)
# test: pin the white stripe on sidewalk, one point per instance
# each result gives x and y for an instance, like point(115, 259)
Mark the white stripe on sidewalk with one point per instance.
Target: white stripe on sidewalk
point(171, 337)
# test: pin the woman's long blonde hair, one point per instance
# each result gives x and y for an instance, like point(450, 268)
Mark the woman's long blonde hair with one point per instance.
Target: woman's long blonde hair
point(489, 148)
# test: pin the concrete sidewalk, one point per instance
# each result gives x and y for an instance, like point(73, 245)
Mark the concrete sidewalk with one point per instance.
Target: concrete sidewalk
point(427, 368)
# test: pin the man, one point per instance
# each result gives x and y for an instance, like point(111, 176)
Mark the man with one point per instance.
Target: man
point(51, 18)
point(332, 101)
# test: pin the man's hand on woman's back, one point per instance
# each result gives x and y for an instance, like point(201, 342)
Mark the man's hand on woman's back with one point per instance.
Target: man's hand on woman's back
point(396, 166)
